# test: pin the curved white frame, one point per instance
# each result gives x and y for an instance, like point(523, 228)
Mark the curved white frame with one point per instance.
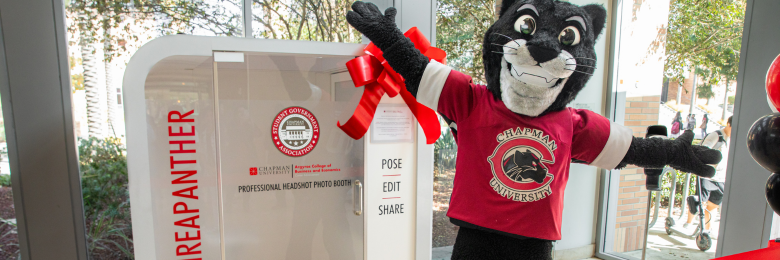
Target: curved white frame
point(135, 108)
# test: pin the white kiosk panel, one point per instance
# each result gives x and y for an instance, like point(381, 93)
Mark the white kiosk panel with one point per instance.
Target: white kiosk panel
point(240, 158)
point(288, 173)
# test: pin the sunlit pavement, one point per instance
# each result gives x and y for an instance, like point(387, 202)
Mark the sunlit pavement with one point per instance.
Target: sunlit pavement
point(677, 246)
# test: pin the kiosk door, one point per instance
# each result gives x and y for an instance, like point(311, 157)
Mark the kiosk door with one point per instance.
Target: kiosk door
point(290, 180)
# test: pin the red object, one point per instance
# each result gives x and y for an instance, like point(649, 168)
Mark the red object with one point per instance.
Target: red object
point(253, 171)
point(499, 140)
point(774, 243)
point(773, 82)
point(295, 131)
point(373, 72)
point(771, 252)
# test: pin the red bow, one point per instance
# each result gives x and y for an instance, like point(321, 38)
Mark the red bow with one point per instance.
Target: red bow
point(373, 72)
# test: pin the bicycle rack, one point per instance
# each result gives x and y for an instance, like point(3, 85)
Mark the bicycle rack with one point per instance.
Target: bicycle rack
point(657, 199)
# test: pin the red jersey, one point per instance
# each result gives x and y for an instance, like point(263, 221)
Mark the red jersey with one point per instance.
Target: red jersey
point(512, 169)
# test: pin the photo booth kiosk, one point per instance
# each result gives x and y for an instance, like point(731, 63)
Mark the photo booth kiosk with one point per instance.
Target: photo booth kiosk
point(234, 153)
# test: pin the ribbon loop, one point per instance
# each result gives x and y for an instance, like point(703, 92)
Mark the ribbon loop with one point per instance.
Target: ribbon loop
point(374, 73)
point(364, 70)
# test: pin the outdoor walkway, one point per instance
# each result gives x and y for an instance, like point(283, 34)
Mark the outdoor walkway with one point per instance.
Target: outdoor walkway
point(676, 246)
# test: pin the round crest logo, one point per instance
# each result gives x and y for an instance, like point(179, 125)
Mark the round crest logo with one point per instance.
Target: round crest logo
point(519, 165)
point(295, 131)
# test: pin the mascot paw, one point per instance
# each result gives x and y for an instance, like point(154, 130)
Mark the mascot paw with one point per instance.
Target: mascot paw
point(377, 27)
point(695, 159)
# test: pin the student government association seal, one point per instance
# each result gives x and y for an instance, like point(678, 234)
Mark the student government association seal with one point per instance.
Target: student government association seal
point(295, 131)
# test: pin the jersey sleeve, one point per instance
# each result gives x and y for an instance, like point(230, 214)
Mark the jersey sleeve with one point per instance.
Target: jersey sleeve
point(447, 91)
point(598, 141)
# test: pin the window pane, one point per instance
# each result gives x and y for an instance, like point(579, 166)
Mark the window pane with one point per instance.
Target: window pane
point(460, 29)
point(9, 241)
point(102, 39)
point(305, 20)
point(663, 81)
point(460, 26)
point(444, 156)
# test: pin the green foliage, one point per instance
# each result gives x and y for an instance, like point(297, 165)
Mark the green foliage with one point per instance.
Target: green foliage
point(731, 100)
point(103, 168)
point(10, 230)
point(460, 27)
point(5, 180)
point(312, 20)
point(666, 191)
point(123, 21)
point(76, 80)
point(445, 152)
point(705, 91)
point(105, 233)
point(704, 33)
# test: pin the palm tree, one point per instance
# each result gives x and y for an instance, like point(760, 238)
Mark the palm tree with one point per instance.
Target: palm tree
point(94, 113)
point(111, 93)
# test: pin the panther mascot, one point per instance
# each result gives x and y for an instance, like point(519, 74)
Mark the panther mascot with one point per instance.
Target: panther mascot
point(516, 137)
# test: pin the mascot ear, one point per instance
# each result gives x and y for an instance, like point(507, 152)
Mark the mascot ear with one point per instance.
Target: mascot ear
point(598, 16)
point(505, 4)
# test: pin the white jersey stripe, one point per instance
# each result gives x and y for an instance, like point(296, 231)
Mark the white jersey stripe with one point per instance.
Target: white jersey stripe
point(616, 148)
point(432, 83)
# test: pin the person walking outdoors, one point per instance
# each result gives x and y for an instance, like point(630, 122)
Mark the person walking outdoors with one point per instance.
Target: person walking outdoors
point(691, 122)
point(703, 125)
point(677, 125)
point(712, 189)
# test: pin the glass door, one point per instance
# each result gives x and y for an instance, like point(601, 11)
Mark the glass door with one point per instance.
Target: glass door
point(659, 79)
point(291, 181)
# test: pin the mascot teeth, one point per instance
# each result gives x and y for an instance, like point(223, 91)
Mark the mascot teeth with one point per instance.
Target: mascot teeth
point(534, 75)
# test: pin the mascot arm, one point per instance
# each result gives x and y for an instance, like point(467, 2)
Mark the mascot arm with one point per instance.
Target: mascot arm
point(398, 50)
point(679, 154)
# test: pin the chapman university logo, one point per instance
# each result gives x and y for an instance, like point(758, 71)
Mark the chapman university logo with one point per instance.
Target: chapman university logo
point(519, 164)
point(295, 131)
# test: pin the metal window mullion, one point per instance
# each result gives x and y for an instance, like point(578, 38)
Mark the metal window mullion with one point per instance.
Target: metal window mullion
point(248, 19)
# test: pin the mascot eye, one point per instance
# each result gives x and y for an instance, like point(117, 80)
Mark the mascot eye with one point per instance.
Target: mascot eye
point(570, 36)
point(525, 25)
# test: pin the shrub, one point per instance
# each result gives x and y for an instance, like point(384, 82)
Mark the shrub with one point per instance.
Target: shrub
point(103, 169)
point(103, 177)
point(5, 180)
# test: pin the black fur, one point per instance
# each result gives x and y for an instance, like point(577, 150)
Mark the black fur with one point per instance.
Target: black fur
point(398, 50)
point(655, 153)
point(550, 22)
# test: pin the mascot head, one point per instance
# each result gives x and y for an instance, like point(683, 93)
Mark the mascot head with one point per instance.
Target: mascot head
point(540, 53)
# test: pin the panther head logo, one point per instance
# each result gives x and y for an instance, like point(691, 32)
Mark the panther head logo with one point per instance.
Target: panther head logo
point(524, 165)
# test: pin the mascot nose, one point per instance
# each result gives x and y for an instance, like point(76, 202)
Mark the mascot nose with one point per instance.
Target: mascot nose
point(542, 54)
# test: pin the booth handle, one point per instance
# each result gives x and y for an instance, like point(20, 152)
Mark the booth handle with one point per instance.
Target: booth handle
point(359, 192)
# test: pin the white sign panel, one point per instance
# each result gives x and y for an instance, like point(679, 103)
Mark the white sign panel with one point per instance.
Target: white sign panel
point(391, 190)
point(393, 123)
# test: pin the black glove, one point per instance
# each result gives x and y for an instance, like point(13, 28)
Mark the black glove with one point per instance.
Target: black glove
point(693, 158)
point(655, 153)
point(379, 28)
point(398, 50)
